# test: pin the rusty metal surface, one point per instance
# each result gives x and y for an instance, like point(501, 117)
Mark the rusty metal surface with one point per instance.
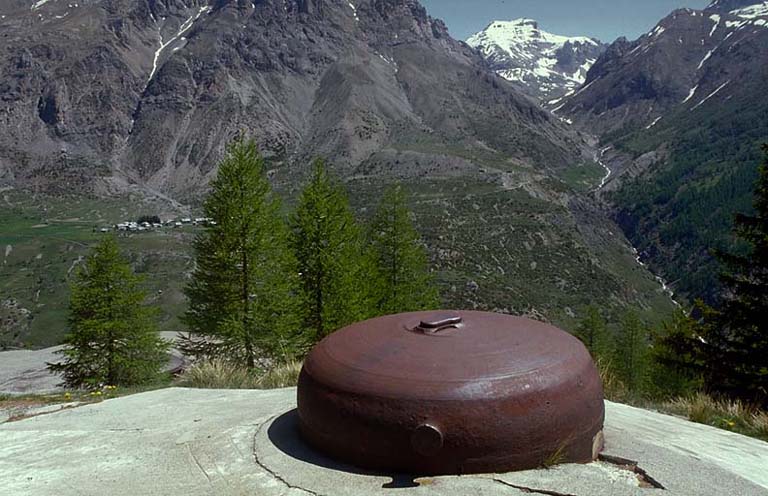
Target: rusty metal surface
point(452, 392)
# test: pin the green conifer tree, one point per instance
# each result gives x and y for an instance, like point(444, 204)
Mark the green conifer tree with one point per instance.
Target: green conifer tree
point(243, 296)
point(113, 338)
point(672, 372)
point(405, 283)
point(632, 353)
point(733, 340)
point(336, 270)
point(592, 330)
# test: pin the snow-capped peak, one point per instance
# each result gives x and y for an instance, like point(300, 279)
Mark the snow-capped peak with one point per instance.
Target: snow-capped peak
point(550, 65)
point(508, 34)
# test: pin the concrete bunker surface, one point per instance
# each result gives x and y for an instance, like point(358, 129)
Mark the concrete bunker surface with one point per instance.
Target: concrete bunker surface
point(279, 445)
point(283, 432)
point(190, 442)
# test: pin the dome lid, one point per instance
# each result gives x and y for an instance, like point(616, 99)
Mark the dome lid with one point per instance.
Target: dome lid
point(445, 355)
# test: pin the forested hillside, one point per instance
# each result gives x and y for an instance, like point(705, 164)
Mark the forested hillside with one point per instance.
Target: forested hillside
point(681, 114)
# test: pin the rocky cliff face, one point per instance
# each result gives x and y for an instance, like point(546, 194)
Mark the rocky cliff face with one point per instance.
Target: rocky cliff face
point(150, 92)
point(690, 59)
point(545, 65)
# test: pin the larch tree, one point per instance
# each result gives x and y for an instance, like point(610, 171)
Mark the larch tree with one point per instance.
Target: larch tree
point(334, 265)
point(113, 337)
point(243, 295)
point(592, 330)
point(405, 283)
point(632, 352)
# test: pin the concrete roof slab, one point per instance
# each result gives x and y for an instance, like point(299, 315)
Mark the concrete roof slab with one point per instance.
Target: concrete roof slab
point(203, 442)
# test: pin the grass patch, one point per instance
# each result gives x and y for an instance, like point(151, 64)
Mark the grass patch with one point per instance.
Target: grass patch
point(731, 415)
point(556, 458)
point(222, 374)
point(27, 401)
point(613, 388)
point(726, 414)
point(583, 177)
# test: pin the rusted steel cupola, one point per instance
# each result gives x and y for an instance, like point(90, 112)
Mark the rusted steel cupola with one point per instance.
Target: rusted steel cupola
point(452, 393)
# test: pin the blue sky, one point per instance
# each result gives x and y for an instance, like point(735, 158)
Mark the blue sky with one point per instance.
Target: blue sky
point(603, 19)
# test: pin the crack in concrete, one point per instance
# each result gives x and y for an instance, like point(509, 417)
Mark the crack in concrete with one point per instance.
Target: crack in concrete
point(271, 472)
point(645, 479)
point(16, 417)
point(531, 490)
point(197, 462)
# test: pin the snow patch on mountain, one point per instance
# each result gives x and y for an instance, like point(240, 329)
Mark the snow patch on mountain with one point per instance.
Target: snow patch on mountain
point(691, 93)
point(716, 19)
point(354, 10)
point(655, 121)
point(752, 11)
point(164, 44)
point(704, 60)
point(547, 64)
point(711, 95)
point(39, 4)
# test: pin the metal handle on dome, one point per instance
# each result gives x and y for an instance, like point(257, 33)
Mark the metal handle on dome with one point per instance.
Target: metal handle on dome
point(438, 325)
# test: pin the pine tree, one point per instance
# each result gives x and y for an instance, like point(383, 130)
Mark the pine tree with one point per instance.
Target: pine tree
point(673, 370)
point(243, 296)
point(113, 338)
point(405, 283)
point(593, 332)
point(734, 338)
point(334, 265)
point(632, 352)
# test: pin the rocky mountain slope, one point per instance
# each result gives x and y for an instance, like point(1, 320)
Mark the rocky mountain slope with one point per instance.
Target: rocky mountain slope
point(547, 66)
point(104, 98)
point(681, 113)
point(150, 91)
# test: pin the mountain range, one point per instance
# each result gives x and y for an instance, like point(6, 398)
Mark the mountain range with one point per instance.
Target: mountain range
point(128, 102)
point(148, 93)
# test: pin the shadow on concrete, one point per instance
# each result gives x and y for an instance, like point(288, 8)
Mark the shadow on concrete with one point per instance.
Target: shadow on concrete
point(284, 434)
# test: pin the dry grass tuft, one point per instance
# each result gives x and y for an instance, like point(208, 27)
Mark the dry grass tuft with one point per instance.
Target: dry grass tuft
point(556, 458)
point(282, 376)
point(701, 408)
point(223, 374)
point(760, 423)
point(727, 414)
point(613, 387)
